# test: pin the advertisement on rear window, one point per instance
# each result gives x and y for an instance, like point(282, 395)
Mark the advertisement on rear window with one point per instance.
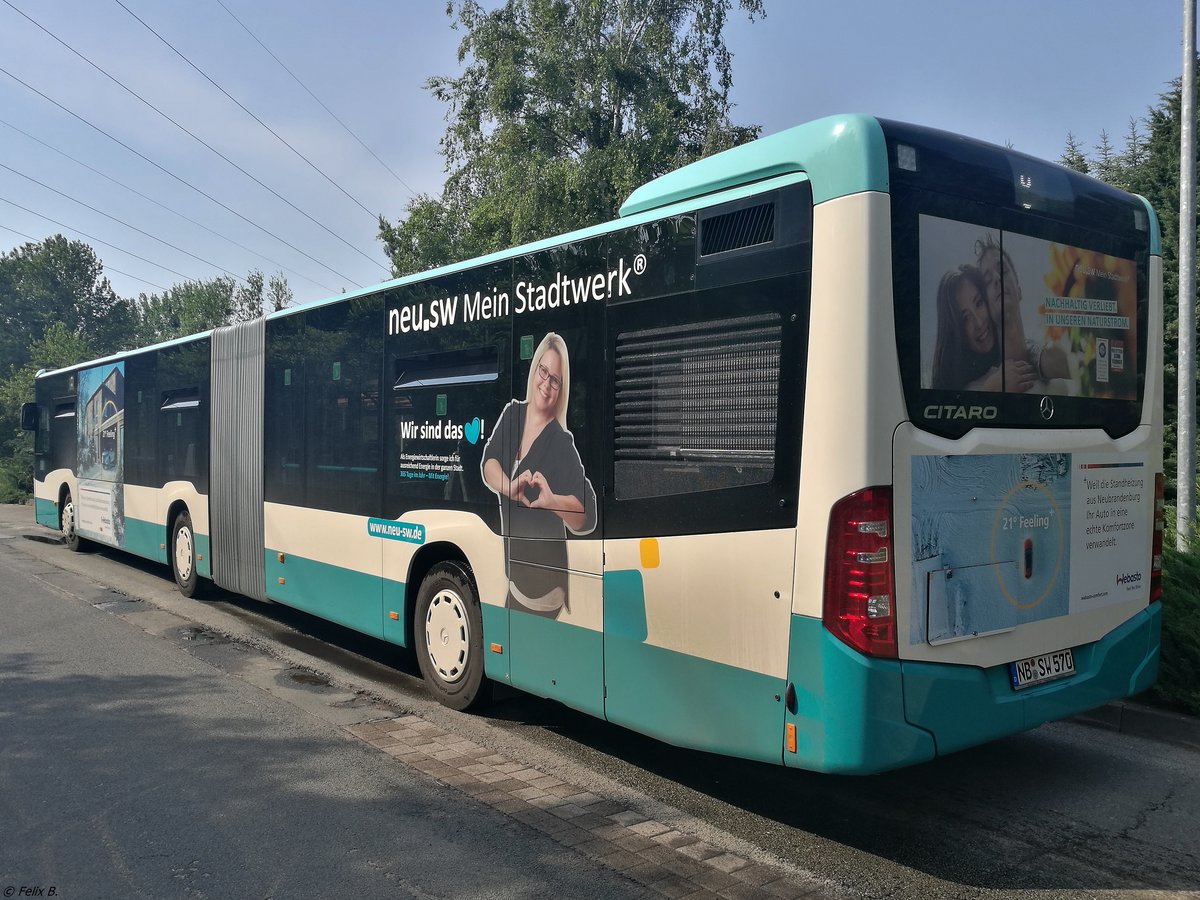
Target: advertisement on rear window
point(1005, 312)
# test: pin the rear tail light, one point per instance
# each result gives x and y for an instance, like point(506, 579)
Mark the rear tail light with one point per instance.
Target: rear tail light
point(1157, 541)
point(860, 606)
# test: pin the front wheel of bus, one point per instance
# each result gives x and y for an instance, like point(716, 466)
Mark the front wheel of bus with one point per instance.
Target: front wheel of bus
point(183, 555)
point(70, 534)
point(448, 637)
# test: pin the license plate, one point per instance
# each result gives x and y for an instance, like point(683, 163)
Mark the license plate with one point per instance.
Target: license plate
point(1040, 669)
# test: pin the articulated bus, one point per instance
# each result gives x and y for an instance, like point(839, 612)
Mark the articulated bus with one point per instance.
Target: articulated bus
point(841, 450)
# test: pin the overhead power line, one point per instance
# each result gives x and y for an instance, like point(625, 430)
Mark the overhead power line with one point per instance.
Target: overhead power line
point(193, 135)
point(332, 115)
point(242, 107)
point(161, 205)
point(178, 178)
point(107, 267)
point(96, 239)
point(120, 221)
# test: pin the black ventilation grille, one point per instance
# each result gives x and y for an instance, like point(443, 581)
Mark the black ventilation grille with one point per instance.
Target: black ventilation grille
point(735, 230)
point(696, 406)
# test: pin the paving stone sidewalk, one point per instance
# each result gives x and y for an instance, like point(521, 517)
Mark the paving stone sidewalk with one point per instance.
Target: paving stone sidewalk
point(665, 860)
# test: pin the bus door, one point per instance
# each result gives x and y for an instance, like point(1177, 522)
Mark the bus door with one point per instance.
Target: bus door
point(551, 522)
point(700, 513)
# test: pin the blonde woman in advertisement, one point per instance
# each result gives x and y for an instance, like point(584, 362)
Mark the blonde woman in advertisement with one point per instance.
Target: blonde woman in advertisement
point(531, 464)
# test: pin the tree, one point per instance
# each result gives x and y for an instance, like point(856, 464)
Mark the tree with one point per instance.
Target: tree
point(195, 306)
point(1073, 156)
point(1108, 165)
point(58, 281)
point(563, 108)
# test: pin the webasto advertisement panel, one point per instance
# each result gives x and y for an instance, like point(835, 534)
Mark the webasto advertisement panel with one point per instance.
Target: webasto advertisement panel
point(1002, 311)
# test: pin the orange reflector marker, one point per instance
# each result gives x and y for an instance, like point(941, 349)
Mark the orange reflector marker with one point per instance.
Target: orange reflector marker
point(162, 546)
point(394, 616)
point(281, 581)
point(199, 557)
point(790, 731)
point(497, 648)
point(649, 551)
point(281, 557)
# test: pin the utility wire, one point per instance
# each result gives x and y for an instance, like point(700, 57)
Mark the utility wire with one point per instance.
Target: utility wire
point(207, 78)
point(192, 135)
point(169, 209)
point(332, 115)
point(121, 222)
point(178, 178)
point(96, 239)
point(107, 267)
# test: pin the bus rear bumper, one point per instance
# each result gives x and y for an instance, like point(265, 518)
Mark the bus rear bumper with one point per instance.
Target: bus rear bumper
point(962, 706)
point(858, 715)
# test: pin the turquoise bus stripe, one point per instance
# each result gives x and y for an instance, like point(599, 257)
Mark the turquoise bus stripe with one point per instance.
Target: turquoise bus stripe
point(557, 660)
point(495, 631)
point(203, 556)
point(679, 698)
point(144, 538)
point(344, 596)
point(45, 512)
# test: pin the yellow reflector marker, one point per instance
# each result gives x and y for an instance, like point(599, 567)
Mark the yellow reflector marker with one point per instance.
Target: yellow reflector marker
point(649, 549)
point(497, 648)
point(394, 616)
point(790, 731)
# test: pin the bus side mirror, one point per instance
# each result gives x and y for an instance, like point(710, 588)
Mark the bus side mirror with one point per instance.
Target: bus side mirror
point(29, 416)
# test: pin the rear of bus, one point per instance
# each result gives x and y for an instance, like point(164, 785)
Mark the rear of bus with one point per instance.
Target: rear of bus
point(993, 549)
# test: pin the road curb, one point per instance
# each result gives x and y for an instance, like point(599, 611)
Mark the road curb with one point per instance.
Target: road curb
point(1137, 719)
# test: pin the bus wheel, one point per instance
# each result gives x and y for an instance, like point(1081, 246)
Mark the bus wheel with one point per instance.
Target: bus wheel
point(448, 638)
point(183, 555)
point(70, 534)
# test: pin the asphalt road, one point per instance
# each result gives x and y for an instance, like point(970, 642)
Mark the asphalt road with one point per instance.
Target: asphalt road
point(1063, 811)
point(131, 768)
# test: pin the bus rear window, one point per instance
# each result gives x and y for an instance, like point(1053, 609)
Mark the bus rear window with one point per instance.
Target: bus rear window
point(1004, 312)
point(1021, 289)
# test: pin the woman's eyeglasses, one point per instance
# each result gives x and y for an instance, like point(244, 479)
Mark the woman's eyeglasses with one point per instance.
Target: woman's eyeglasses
point(544, 375)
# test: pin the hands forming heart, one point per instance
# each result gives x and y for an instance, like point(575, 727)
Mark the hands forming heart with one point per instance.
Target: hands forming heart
point(527, 483)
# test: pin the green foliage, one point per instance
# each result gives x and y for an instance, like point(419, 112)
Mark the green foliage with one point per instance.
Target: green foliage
point(57, 281)
point(1149, 166)
point(562, 109)
point(1179, 672)
point(196, 306)
point(57, 347)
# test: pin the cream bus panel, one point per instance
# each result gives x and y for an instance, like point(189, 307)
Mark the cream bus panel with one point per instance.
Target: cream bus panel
point(853, 375)
point(719, 597)
point(335, 539)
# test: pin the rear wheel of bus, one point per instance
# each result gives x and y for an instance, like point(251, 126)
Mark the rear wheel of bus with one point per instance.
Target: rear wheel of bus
point(448, 637)
point(68, 524)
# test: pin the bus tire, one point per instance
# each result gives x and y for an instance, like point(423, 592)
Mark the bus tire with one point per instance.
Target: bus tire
point(183, 555)
point(448, 637)
point(67, 524)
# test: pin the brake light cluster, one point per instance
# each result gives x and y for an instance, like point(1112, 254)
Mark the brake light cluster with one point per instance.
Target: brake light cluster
point(1156, 544)
point(860, 607)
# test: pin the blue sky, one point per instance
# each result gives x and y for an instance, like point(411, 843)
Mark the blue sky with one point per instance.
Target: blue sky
point(1020, 72)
